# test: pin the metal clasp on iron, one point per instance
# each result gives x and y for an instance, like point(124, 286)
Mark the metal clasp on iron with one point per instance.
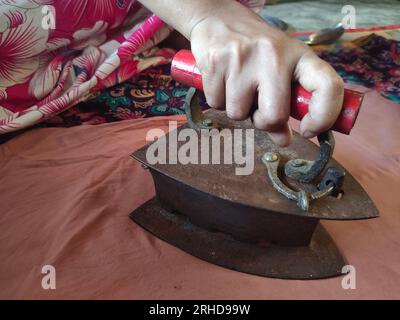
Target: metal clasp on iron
point(306, 171)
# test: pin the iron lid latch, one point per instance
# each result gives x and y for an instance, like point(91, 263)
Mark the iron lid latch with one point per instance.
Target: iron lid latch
point(305, 171)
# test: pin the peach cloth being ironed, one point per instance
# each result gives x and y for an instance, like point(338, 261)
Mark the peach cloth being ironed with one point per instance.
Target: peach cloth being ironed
point(65, 196)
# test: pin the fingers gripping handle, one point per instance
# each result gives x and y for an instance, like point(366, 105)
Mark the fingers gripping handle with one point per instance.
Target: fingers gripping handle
point(184, 70)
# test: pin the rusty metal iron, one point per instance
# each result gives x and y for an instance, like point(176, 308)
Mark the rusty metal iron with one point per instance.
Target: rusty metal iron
point(252, 190)
point(251, 226)
point(320, 259)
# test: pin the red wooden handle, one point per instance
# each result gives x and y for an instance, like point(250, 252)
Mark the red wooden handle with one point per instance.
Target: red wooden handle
point(184, 70)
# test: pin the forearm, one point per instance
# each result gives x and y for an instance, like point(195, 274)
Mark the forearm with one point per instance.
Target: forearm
point(184, 15)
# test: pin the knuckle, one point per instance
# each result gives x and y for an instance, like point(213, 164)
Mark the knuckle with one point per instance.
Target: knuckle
point(335, 83)
point(276, 121)
point(330, 79)
point(235, 46)
point(236, 113)
point(267, 44)
point(271, 121)
point(238, 51)
point(213, 57)
point(273, 50)
point(320, 65)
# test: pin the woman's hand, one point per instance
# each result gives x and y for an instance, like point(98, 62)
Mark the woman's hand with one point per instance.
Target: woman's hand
point(239, 55)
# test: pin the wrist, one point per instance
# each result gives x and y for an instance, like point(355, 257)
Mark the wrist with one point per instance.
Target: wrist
point(208, 11)
point(219, 15)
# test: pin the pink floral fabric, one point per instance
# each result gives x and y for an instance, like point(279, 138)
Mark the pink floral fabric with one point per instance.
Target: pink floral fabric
point(56, 53)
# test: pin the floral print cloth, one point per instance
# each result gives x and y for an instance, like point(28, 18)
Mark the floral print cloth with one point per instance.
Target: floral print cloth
point(70, 62)
point(87, 46)
point(56, 53)
point(372, 61)
point(152, 93)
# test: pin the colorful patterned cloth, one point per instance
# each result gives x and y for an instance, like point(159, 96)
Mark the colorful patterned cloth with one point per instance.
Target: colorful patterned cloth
point(372, 61)
point(152, 93)
point(57, 53)
point(101, 64)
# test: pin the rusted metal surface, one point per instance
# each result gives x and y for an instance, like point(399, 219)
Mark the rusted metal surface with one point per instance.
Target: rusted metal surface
point(243, 222)
point(254, 190)
point(321, 259)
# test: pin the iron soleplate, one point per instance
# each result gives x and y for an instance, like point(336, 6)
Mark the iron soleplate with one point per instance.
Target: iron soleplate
point(321, 259)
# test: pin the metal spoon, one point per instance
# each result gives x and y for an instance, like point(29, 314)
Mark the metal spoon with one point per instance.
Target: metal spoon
point(325, 36)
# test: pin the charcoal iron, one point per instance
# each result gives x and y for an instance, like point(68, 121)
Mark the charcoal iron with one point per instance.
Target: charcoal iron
point(266, 223)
